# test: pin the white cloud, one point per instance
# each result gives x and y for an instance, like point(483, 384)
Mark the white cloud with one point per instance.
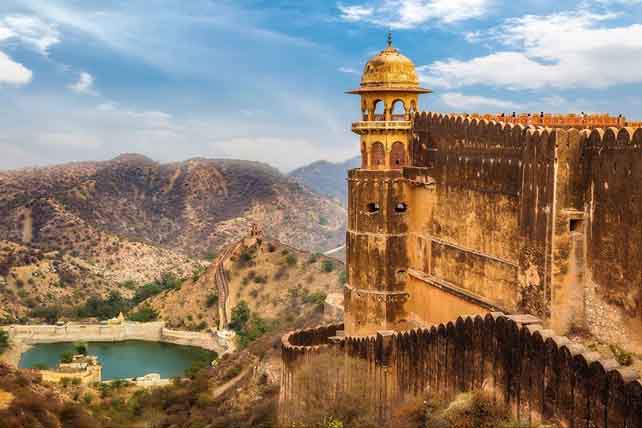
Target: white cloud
point(564, 50)
point(463, 102)
point(348, 70)
point(84, 85)
point(13, 73)
point(30, 30)
point(406, 14)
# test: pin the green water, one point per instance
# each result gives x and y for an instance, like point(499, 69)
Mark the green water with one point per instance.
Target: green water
point(126, 359)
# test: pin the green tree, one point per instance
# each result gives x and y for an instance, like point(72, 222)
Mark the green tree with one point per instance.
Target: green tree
point(240, 316)
point(4, 341)
point(327, 266)
point(291, 259)
point(144, 314)
point(67, 357)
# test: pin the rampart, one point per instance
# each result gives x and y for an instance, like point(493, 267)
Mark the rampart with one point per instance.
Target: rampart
point(522, 218)
point(539, 375)
point(152, 331)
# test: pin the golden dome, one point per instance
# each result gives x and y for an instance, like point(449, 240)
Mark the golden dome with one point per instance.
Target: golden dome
point(389, 69)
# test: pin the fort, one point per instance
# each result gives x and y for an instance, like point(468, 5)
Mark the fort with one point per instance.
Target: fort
point(458, 225)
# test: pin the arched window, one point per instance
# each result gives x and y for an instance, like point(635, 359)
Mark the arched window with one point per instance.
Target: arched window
point(398, 110)
point(364, 156)
point(397, 155)
point(378, 156)
point(379, 110)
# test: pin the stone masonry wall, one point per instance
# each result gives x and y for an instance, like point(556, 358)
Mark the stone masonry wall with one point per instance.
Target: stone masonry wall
point(539, 375)
point(152, 331)
point(527, 219)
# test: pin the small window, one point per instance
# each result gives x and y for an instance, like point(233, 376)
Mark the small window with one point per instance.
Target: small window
point(576, 225)
point(373, 207)
point(401, 207)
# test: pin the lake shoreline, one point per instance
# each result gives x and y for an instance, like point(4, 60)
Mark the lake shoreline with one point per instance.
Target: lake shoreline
point(13, 355)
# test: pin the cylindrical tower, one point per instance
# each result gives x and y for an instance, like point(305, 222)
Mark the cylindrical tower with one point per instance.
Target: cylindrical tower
point(376, 292)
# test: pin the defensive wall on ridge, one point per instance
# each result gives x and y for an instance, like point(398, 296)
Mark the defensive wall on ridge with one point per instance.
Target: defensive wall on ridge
point(523, 219)
point(540, 376)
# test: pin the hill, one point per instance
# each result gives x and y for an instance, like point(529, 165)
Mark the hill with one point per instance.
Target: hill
point(267, 276)
point(74, 230)
point(327, 178)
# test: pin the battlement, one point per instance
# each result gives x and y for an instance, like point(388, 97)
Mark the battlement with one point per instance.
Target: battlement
point(551, 120)
point(513, 131)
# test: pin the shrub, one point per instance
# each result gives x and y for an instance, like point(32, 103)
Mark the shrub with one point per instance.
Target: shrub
point(316, 298)
point(129, 284)
point(50, 314)
point(212, 300)
point(314, 257)
point(327, 266)
point(145, 314)
point(4, 341)
point(240, 316)
point(80, 348)
point(343, 278)
point(291, 259)
point(67, 357)
point(323, 221)
point(623, 357)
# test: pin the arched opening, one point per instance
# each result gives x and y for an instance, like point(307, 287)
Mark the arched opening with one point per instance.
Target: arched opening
point(398, 110)
point(378, 110)
point(397, 155)
point(413, 107)
point(401, 207)
point(364, 156)
point(378, 156)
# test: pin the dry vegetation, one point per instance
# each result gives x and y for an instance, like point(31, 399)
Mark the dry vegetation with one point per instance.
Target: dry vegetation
point(77, 230)
point(275, 280)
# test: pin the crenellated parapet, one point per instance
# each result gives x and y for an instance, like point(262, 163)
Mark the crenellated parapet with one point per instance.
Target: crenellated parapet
point(540, 376)
point(580, 121)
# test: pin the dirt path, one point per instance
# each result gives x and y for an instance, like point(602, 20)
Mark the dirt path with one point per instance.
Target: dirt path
point(231, 383)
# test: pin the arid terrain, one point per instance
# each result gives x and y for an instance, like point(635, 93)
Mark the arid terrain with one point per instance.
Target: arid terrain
point(269, 276)
point(81, 229)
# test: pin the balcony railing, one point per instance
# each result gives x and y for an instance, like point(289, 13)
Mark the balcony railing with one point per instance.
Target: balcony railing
point(382, 117)
point(378, 124)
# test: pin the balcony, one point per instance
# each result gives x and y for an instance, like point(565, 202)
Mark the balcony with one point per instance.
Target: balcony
point(372, 125)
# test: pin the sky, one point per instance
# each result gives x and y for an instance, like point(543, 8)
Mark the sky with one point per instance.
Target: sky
point(266, 79)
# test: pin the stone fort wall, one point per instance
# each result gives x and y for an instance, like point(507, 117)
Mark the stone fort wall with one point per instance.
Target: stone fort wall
point(540, 376)
point(519, 218)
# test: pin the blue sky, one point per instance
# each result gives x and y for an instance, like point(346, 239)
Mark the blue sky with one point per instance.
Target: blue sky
point(265, 80)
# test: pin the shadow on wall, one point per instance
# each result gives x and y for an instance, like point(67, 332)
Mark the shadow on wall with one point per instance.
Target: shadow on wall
point(538, 375)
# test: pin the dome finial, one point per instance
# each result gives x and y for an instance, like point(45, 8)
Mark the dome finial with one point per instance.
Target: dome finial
point(389, 38)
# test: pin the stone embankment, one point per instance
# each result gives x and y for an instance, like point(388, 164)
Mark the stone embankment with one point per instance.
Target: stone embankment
point(22, 336)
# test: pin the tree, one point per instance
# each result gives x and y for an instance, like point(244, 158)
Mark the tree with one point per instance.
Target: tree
point(240, 316)
point(327, 266)
point(4, 341)
point(145, 314)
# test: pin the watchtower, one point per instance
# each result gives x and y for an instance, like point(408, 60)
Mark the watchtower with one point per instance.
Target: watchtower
point(376, 294)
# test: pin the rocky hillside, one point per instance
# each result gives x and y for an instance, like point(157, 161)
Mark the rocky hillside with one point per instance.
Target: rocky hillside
point(270, 277)
point(327, 178)
point(71, 231)
point(192, 207)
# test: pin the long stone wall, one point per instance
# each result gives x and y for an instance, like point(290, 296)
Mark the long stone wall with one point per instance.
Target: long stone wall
point(152, 331)
point(539, 375)
point(527, 219)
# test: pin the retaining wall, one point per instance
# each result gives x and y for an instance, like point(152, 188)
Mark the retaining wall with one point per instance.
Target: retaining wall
point(153, 331)
point(539, 375)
